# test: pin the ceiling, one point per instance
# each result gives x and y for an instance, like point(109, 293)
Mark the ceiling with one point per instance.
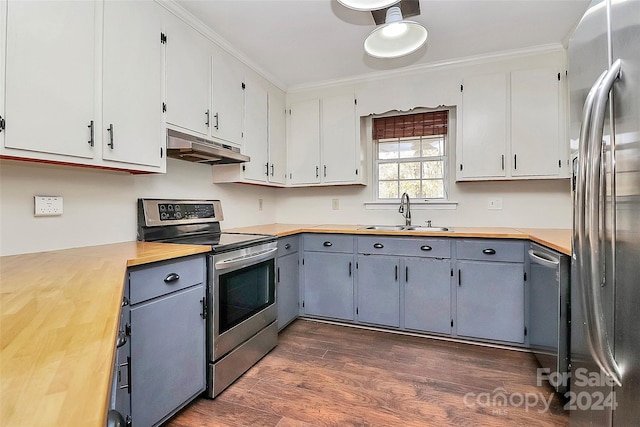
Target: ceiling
point(303, 42)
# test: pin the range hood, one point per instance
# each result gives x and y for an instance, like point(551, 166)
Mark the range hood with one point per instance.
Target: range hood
point(194, 149)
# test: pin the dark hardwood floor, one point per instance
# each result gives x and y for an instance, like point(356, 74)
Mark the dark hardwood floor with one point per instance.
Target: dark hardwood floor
point(327, 375)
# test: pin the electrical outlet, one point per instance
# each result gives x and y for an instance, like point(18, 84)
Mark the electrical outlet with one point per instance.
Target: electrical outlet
point(47, 205)
point(335, 204)
point(259, 204)
point(495, 204)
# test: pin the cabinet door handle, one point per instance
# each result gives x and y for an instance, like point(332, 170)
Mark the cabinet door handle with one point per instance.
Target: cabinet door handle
point(459, 277)
point(317, 171)
point(271, 169)
point(350, 268)
point(278, 275)
point(266, 169)
point(90, 133)
point(489, 251)
point(217, 121)
point(207, 114)
point(396, 273)
point(287, 246)
point(327, 244)
point(425, 248)
point(503, 162)
point(515, 161)
point(325, 171)
point(110, 129)
point(2, 124)
point(378, 245)
point(172, 277)
point(406, 273)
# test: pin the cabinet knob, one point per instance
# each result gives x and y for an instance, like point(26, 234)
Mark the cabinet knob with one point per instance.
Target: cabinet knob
point(287, 246)
point(327, 244)
point(378, 245)
point(425, 248)
point(489, 251)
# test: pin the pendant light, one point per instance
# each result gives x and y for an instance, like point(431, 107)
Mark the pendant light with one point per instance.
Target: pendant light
point(396, 37)
point(367, 5)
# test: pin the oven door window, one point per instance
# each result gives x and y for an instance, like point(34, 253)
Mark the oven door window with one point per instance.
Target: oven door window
point(245, 292)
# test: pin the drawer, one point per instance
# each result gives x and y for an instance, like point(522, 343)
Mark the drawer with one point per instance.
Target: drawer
point(288, 245)
point(491, 250)
point(405, 246)
point(328, 243)
point(154, 280)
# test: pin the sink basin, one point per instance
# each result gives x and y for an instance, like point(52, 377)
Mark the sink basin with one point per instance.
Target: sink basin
point(385, 227)
point(426, 228)
point(406, 227)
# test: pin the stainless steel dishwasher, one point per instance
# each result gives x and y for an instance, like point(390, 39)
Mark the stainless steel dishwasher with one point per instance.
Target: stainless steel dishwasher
point(549, 312)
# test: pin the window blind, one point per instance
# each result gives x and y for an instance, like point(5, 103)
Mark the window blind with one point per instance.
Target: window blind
point(419, 124)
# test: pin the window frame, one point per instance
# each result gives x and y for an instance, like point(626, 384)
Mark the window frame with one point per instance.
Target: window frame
point(445, 158)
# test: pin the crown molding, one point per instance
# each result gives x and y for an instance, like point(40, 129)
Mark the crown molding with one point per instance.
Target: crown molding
point(442, 65)
point(220, 41)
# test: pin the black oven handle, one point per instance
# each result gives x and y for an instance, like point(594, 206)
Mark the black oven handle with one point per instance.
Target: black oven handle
point(245, 261)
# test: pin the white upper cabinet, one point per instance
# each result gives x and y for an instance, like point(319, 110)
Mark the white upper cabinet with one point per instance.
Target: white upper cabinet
point(536, 148)
point(132, 83)
point(339, 139)
point(188, 79)
point(277, 138)
point(324, 141)
point(304, 142)
point(50, 74)
point(227, 100)
point(256, 132)
point(484, 127)
point(512, 126)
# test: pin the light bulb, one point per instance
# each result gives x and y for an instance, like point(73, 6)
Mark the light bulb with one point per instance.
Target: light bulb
point(394, 30)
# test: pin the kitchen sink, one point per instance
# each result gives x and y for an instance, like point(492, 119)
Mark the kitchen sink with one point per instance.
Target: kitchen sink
point(406, 228)
point(426, 228)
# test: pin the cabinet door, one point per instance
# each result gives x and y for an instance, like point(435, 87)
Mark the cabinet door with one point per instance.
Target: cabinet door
point(277, 138)
point(304, 142)
point(187, 76)
point(328, 285)
point(339, 144)
point(490, 300)
point(50, 72)
point(256, 132)
point(287, 282)
point(227, 100)
point(484, 127)
point(167, 354)
point(535, 117)
point(379, 290)
point(132, 84)
point(427, 295)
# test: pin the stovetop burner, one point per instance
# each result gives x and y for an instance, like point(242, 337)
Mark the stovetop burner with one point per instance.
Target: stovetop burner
point(195, 222)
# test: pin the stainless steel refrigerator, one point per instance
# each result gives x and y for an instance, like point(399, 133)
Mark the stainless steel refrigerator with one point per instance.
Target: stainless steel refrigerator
point(604, 81)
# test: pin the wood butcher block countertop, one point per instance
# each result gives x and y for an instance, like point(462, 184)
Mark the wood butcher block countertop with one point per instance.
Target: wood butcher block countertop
point(59, 314)
point(557, 239)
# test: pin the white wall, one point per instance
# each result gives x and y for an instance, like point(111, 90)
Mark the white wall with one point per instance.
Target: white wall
point(100, 206)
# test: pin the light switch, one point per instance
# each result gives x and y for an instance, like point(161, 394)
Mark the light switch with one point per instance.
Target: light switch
point(47, 205)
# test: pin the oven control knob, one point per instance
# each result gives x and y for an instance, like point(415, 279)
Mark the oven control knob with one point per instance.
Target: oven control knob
point(178, 215)
point(164, 215)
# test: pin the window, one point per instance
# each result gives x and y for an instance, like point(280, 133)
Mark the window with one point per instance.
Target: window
point(411, 155)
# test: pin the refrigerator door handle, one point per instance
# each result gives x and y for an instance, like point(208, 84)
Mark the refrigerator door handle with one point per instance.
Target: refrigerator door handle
point(596, 328)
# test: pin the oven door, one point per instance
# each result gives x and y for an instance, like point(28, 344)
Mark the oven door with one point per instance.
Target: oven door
point(242, 296)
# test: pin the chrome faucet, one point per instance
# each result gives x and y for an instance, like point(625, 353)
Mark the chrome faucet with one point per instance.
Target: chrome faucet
point(405, 211)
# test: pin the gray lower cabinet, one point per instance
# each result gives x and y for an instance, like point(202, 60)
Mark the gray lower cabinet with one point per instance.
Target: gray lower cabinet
point(490, 296)
point(379, 284)
point(427, 295)
point(166, 334)
point(328, 265)
point(287, 280)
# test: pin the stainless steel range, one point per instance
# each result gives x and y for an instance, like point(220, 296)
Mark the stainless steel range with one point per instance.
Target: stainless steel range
point(241, 309)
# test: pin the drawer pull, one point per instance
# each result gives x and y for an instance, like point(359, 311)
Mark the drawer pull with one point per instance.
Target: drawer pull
point(173, 277)
point(378, 245)
point(425, 248)
point(287, 246)
point(327, 244)
point(489, 251)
